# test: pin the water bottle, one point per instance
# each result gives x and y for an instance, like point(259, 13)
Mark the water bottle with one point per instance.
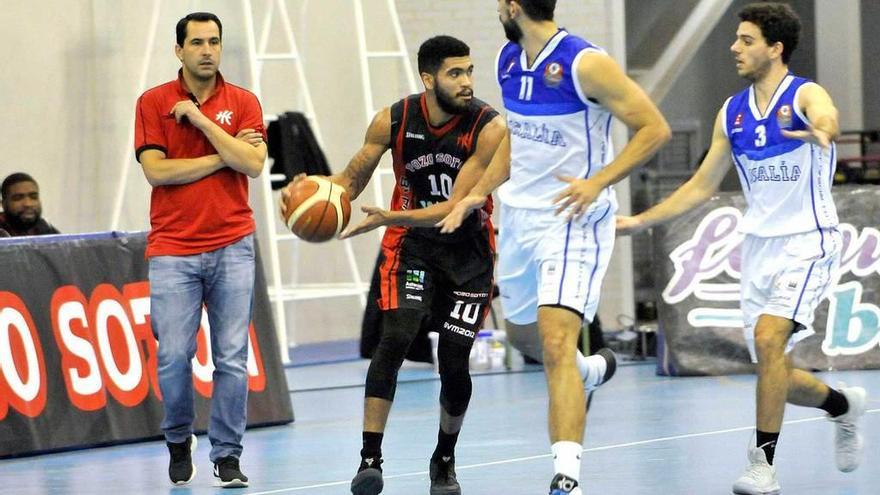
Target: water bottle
point(479, 358)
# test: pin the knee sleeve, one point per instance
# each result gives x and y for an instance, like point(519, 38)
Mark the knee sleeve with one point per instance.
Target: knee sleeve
point(455, 377)
point(399, 328)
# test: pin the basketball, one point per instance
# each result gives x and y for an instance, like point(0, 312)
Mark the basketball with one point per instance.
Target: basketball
point(317, 209)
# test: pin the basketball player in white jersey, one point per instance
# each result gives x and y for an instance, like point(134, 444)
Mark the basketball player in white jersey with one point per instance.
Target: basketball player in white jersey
point(557, 166)
point(780, 134)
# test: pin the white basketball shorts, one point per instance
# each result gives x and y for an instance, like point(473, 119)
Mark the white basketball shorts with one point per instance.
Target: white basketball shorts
point(545, 260)
point(787, 276)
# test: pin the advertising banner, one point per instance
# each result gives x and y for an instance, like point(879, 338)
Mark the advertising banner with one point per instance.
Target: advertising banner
point(697, 258)
point(78, 356)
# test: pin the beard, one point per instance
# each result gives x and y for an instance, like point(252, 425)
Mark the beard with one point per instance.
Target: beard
point(22, 224)
point(512, 31)
point(448, 104)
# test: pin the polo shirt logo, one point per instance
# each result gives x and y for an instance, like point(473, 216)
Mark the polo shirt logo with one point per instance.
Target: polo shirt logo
point(224, 117)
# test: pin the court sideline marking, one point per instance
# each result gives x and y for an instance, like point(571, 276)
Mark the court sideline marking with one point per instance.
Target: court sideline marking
point(543, 456)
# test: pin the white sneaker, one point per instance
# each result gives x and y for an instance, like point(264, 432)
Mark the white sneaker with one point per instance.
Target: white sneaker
point(759, 478)
point(600, 368)
point(847, 441)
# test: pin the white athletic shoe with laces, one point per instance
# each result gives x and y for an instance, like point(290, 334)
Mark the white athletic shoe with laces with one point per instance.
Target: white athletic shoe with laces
point(847, 440)
point(759, 478)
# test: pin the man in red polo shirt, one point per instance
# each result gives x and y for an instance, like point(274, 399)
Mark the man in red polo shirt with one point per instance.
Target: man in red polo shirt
point(198, 139)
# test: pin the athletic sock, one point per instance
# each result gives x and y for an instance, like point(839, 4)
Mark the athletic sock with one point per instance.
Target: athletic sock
point(835, 404)
point(767, 442)
point(567, 459)
point(372, 450)
point(583, 367)
point(445, 444)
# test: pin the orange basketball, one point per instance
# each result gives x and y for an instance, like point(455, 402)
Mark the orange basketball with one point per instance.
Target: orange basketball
point(317, 209)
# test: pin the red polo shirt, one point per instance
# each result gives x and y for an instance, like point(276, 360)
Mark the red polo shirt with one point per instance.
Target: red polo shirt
point(213, 211)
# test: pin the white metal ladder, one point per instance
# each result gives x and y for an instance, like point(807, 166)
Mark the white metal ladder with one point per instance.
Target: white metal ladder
point(279, 292)
point(366, 56)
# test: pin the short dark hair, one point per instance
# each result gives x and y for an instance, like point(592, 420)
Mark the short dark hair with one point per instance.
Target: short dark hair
point(538, 10)
point(12, 180)
point(435, 50)
point(197, 17)
point(778, 23)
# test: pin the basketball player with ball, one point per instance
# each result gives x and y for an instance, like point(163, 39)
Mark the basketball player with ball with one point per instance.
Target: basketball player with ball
point(441, 141)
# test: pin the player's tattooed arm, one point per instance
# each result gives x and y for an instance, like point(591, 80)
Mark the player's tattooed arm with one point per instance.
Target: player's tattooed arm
point(360, 168)
point(471, 171)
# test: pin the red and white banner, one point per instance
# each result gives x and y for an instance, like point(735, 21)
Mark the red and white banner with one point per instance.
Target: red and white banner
point(78, 356)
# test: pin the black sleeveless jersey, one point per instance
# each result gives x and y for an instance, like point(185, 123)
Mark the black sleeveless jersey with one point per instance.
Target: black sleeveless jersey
point(427, 160)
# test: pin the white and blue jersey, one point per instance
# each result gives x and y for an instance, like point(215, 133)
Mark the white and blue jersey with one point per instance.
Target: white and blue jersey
point(555, 129)
point(787, 182)
point(791, 252)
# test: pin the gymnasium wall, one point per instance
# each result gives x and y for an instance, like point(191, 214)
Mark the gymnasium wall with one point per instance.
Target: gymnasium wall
point(710, 77)
point(74, 69)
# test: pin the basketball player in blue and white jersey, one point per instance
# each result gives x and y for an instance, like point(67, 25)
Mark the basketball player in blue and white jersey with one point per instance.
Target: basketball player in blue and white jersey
point(780, 135)
point(557, 166)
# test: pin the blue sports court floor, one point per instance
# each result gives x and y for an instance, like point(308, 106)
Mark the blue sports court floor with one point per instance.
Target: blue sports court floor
point(645, 435)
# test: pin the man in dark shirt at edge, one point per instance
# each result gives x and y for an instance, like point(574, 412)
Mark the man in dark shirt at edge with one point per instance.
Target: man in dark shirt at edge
point(22, 210)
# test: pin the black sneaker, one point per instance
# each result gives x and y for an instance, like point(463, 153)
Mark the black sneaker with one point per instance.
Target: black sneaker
point(368, 480)
point(563, 485)
point(181, 469)
point(443, 481)
point(228, 474)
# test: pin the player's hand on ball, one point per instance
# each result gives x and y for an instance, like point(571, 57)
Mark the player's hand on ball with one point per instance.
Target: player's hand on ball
point(376, 217)
point(250, 136)
point(577, 197)
point(285, 195)
point(459, 212)
point(315, 209)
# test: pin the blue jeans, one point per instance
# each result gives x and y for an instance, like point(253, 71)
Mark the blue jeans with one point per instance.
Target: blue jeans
point(224, 281)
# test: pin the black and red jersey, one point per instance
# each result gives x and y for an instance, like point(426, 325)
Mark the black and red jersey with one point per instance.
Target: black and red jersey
point(427, 160)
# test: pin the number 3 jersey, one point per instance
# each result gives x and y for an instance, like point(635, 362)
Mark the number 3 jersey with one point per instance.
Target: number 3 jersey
point(555, 129)
point(427, 160)
point(787, 182)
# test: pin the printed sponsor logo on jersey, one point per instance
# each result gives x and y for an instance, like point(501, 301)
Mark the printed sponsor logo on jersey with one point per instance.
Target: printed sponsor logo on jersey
point(420, 162)
point(506, 74)
point(412, 135)
point(737, 123)
point(459, 330)
point(783, 117)
point(447, 159)
point(465, 141)
point(773, 173)
point(430, 159)
point(416, 276)
point(224, 117)
point(538, 133)
point(553, 74)
point(470, 294)
point(415, 298)
point(414, 286)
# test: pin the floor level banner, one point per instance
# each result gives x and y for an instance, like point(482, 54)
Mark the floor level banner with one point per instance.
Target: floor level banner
point(78, 356)
point(697, 263)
